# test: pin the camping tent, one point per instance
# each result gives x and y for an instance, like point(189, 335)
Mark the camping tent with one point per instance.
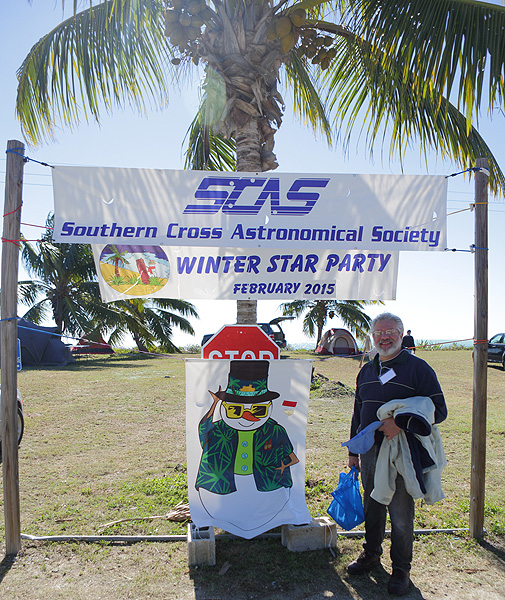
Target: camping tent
point(339, 342)
point(42, 346)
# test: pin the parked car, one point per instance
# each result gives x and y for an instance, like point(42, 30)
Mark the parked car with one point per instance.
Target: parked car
point(272, 329)
point(21, 422)
point(496, 349)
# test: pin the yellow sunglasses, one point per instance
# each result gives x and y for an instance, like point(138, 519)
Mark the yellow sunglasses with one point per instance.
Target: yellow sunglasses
point(235, 411)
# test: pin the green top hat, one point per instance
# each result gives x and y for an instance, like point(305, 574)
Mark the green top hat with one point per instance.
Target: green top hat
point(247, 382)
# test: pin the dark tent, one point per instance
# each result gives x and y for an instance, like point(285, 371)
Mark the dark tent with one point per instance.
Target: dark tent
point(42, 346)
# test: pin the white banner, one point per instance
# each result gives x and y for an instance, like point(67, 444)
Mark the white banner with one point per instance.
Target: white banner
point(242, 273)
point(378, 213)
point(246, 443)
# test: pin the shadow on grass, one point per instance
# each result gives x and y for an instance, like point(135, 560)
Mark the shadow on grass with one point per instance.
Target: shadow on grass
point(118, 361)
point(497, 548)
point(6, 565)
point(263, 569)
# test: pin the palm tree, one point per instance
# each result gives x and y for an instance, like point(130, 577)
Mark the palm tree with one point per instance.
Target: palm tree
point(65, 289)
point(151, 322)
point(116, 258)
point(391, 68)
point(317, 313)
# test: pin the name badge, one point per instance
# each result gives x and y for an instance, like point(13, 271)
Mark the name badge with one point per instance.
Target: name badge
point(387, 376)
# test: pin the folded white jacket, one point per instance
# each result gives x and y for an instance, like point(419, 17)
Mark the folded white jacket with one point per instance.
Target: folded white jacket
point(395, 455)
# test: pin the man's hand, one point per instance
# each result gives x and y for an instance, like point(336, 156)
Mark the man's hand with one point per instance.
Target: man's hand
point(389, 428)
point(353, 462)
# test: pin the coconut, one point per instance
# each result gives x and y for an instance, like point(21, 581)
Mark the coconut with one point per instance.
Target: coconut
point(176, 37)
point(192, 32)
point(196, 22)
point(271, 31)
point(287, 42)
point(283, 26)
point(298, 17)
point(171, 16)
point(195, 6)
point(170, 28)
point(185, 20)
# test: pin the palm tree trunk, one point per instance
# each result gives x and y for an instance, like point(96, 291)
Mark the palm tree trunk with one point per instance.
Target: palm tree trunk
point(248, 159)
point(140, 345)
point(248, 141)
point(247, 313)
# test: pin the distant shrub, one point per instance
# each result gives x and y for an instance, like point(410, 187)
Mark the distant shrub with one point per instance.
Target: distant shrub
point(191, 349)
point(430, 345)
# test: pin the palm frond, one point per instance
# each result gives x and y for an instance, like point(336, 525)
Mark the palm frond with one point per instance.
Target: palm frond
point(445, 44)
point(108, 55)
point(365, 96)
point(38, 313)
point(208, 151)
point(307, 98)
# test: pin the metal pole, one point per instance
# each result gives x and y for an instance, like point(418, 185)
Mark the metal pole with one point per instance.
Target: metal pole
point(478, 475)
point(8, 341)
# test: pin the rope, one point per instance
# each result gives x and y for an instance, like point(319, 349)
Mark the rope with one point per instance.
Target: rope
point(15, 242)
point(41, 226)
point(27, 158)
point(13, 211)
point(474, 169)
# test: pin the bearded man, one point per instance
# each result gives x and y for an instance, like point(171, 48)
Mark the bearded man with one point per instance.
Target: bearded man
point(393, 375)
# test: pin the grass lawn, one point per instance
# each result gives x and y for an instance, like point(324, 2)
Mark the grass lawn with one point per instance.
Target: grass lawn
point(105, 441)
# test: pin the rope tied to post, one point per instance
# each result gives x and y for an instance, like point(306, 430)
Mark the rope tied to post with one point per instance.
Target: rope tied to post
point(27, 158)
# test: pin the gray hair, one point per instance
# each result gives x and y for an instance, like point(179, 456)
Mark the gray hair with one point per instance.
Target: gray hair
point(386, 316)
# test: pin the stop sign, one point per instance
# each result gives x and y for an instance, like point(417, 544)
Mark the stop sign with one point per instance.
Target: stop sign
point(242, 342)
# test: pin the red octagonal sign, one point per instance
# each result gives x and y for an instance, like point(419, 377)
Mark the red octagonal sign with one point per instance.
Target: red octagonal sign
point(242, 342)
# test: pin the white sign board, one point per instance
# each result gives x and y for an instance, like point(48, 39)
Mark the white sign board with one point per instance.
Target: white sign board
point(125, 272)
point(379, 213)
point(246, 443)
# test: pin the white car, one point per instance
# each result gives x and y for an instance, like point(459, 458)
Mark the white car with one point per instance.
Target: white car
point(21, 422)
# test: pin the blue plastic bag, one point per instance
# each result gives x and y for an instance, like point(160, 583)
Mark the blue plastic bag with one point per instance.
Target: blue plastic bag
point(346, 508)
point(364, 440)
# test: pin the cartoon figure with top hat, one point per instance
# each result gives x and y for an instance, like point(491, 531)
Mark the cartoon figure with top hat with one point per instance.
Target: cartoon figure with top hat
point(244, 475)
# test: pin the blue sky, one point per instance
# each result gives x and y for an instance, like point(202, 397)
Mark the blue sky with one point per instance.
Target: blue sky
point(435, 294)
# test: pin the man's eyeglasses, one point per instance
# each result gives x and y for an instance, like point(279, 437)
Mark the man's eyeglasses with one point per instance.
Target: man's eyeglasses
point(385, 332)
point(235, 411)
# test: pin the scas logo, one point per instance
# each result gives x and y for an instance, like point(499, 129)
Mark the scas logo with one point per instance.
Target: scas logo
point(223, 194)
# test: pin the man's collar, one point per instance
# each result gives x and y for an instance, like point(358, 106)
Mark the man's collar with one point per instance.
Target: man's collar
point(399, 359)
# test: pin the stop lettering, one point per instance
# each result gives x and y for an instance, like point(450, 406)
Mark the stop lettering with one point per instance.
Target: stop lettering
point(241, 342)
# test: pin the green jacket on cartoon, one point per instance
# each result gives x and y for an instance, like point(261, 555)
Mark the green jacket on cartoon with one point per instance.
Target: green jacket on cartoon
point(272, 452)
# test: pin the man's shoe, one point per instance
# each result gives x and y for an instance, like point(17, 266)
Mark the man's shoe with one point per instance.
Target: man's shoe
point(364, 563)
point(399, 583)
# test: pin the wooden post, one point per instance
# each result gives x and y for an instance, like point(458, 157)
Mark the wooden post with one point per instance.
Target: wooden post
point(8, 340)
point(478, 475)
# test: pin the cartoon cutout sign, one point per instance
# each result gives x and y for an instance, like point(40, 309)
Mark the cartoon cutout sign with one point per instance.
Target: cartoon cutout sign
point(134, 270)
point(244, 478)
